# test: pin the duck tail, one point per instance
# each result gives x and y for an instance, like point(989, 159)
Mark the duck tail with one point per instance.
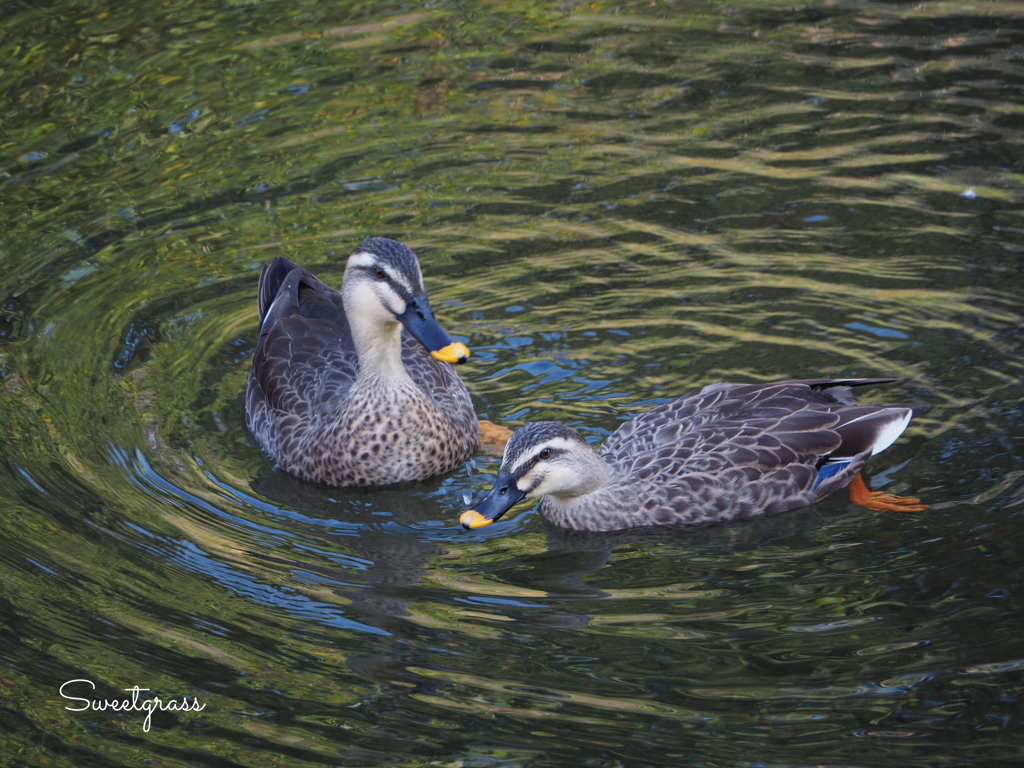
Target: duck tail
point(271, 279)
point(864, 431)
point(867, 428)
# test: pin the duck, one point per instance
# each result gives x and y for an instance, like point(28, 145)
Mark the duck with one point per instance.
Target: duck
point(728, 452)
point(357, 388)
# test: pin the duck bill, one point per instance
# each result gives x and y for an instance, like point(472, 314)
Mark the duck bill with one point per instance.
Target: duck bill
point(420, 322)
point(503, 496)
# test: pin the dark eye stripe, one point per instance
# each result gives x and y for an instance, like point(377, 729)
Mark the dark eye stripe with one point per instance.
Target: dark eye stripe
point(528, 465)
point(396, 286)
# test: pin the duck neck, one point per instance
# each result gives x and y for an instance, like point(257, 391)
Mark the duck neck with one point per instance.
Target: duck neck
point(590, 474)
point(379, 347)
point(376, 333)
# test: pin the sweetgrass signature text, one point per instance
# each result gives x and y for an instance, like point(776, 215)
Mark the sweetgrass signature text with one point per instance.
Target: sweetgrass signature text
point(149, 706)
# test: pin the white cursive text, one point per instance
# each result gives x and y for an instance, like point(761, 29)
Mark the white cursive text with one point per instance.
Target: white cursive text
point(133, 704)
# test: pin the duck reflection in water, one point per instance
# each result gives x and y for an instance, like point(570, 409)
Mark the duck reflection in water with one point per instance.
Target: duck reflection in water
point(377, 525)
point(386, 528)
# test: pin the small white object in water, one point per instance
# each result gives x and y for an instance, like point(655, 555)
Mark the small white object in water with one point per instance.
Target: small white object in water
point(969, 193)
point(467, 499)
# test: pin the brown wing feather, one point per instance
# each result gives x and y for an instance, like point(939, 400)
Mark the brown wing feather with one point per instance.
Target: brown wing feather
point(732, 450)
point(302, 365)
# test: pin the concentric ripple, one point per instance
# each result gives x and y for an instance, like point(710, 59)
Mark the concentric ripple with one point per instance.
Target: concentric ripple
point(613, 204)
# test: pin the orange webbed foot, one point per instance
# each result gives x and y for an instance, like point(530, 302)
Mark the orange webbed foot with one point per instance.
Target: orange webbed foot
point(493, 437)
point(882, 502)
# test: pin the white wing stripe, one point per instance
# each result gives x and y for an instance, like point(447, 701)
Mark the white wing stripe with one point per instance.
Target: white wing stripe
point(888, 434)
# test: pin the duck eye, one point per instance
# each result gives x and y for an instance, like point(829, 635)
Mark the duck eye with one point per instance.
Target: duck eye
point(503, 491)
point(546, 453)
point(380, 273)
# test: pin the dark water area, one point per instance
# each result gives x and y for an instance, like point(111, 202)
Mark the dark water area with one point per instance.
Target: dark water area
point(613, 204)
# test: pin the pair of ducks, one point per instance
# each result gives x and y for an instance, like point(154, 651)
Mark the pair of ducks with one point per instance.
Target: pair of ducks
point(357, 388)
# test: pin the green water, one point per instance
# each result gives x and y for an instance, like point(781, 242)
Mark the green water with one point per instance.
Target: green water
point(613, 204)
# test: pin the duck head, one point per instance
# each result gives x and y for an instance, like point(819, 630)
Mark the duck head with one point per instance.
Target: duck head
point(541, 459)
point(383, 290)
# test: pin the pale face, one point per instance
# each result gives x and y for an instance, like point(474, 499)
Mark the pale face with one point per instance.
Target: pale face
point(382, 290)
point(541, 459)
point(374, 289)
point(552, 468)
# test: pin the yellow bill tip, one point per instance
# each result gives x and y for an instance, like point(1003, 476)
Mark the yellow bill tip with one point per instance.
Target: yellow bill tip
point(473, 519)
point(456, 352)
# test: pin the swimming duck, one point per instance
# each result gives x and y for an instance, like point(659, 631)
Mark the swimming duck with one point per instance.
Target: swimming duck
point(727, 452)
point(356, 388)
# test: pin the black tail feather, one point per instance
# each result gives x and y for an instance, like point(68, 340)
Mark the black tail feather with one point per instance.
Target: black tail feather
point(271, 278)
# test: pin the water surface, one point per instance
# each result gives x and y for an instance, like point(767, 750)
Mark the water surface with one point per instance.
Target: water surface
point(613, 204)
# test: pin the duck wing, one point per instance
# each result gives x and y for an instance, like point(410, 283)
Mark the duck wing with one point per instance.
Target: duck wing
point(305, 361)
point(783, 444)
